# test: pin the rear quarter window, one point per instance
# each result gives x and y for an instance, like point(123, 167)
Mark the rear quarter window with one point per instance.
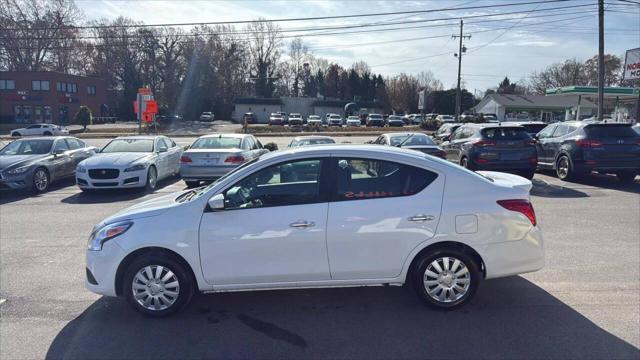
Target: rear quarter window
point(603, 131)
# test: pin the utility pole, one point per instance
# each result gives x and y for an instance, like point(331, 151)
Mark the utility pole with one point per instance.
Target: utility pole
point(461, 49)
point(600, 60)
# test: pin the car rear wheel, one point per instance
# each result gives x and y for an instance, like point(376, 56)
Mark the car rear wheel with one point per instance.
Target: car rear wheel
point(465, 163)
point(564, 169)
point(47, 133)
point(157, 285)
point(626, 177)
point(152, 179)
point(15, 134)
point(41, 180)
point(192, 184)
point(529, 174)
point(446, 278)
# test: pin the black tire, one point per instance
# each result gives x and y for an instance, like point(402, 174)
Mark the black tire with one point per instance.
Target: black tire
point(152, 179)
point(437, 255)
point(465, 163)
point(564, 168)
point(15, 134)
point(626, 177)
point(41, 180)
point(529, 174)
point(47, 133)
point(192, 184)
point(156, 291)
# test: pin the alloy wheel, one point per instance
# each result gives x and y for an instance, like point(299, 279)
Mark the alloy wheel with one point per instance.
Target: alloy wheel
point(155, 287)
point(40, 180)
point(446, 279)
point(153, 178)
point(563, 167)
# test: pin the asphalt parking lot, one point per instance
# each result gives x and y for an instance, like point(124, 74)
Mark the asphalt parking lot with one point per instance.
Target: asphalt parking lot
point(585, 304)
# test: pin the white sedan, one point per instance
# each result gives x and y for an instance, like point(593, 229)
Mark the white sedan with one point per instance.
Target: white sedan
point(129, 162)
point(40, 130)
point(321, 216)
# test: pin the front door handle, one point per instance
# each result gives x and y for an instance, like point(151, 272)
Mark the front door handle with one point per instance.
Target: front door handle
point(302, 224)
point(422, 218)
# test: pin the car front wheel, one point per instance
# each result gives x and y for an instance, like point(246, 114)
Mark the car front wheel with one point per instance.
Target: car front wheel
point(15, 134)
point(626, 177)
point(564, 169)
point(41, 180)
point(152, 179)
point(446, 278)
point(157, 285)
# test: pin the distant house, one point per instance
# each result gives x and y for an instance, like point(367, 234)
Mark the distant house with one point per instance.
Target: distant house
point(46, 96)
point(534, 107)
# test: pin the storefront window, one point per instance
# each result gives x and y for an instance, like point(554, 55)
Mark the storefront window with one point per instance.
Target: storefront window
point(37, 114)
point(47, 113)
point(26, 111)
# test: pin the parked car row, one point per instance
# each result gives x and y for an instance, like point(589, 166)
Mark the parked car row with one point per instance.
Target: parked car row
point(571, 149)
point(330, 119)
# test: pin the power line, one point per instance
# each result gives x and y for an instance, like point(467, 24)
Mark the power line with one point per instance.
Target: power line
point(306, 18)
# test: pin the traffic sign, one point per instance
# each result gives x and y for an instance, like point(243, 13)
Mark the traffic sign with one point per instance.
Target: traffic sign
point(152, 106)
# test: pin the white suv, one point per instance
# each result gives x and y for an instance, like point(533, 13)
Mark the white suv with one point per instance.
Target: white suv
point(40, 130)
point(347, 215)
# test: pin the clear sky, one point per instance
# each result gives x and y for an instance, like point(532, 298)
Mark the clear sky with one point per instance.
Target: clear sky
point(512, 45)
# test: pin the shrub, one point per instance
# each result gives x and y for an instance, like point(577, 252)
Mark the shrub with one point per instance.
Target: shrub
point(83, 117)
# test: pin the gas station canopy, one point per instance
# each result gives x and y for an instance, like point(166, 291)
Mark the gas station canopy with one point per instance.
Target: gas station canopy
point(609, 92)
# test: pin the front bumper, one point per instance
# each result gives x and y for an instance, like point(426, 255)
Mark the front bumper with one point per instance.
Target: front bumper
point(103, 266)
point(16, 182)
point(130, 179)
point(514, 257)
point(204, 173)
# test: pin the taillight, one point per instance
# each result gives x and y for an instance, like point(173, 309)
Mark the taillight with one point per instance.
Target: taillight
point(522, 206)
point(441, 154)
point(587, 143)
point(237, 159)
point(185, 159)
point(482, 143)
point(533, 160)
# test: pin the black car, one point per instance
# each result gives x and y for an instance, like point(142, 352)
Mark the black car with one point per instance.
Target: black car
point(578, 148)
point(444, 132)
point(532, 127)
point(493, 147)
point(414, 141)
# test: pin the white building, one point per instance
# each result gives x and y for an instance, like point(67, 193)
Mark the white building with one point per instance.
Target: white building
point(535, 107)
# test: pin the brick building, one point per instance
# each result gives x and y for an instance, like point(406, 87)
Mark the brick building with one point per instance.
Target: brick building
point(47, 96)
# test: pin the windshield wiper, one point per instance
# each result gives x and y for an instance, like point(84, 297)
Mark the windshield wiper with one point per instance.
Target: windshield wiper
point(405, 140)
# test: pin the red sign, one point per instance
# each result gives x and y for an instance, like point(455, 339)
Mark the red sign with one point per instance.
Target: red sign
point(135, 106)
point(152, 106)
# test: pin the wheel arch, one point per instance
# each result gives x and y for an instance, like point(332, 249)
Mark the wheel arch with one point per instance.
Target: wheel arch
point(124, 264)
point(558, 155)
point(447, 245)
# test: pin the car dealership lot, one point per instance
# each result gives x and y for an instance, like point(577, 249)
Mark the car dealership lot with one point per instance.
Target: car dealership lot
point(583, 304)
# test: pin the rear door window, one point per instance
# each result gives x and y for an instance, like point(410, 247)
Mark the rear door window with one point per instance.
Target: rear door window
point(358, 179)
point(561, 130)
point(73, 143)
point(505, 133)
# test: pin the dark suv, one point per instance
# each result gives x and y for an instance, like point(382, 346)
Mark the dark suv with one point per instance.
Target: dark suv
point(493, 147)
point(576, 148)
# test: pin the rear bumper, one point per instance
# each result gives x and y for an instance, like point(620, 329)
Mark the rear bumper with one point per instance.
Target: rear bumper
point(506, 166)
point(204, 173)
point(514, 257)
point(610, 166)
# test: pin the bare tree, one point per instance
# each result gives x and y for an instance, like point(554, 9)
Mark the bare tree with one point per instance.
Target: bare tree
point(427, 80)
point(31, 30)
point(264, 49)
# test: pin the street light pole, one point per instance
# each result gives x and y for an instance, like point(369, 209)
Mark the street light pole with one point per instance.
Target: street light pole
point(600, 60)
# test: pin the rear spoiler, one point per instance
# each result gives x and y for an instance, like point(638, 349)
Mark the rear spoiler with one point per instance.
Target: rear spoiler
point(506, 179)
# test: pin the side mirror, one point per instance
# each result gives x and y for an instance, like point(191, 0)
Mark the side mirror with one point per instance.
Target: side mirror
point(216, 202)
point(162, 149)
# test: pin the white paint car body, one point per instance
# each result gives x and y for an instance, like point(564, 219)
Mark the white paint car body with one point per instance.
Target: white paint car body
point(40, 130)
point(112, 170)
point(314, 120)
point(354, 121)
point(368, 241)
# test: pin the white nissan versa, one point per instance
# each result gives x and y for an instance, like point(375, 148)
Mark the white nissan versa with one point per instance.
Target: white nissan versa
point(322, 216)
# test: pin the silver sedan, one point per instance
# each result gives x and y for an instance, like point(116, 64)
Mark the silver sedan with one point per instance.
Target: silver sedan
point(212, 156)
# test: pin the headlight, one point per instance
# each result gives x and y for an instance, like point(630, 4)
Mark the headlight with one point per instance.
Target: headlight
point(81, 169)
point(136, 167)
point(20, 170)
point(107, 232)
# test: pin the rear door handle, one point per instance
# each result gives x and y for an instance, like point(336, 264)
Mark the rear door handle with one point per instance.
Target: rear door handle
point(422, 218)
point(302, 224)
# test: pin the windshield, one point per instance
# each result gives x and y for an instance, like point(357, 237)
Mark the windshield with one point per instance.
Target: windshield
point(314, 117)
point(447, 117)
point(27, 147)
point(534, 128)
point(375, 116)
point(335, 117)
point(415, 140)
point(603, 131)
point(217, 143)
point(395, 118)
point(307, 142)
point(505, 133)
point(128, 145)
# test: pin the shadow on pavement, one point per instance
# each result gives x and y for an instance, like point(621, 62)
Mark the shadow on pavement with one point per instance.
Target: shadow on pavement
point(11, 195)
point(509, 318)
point(114, 195)
point(544, 189)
